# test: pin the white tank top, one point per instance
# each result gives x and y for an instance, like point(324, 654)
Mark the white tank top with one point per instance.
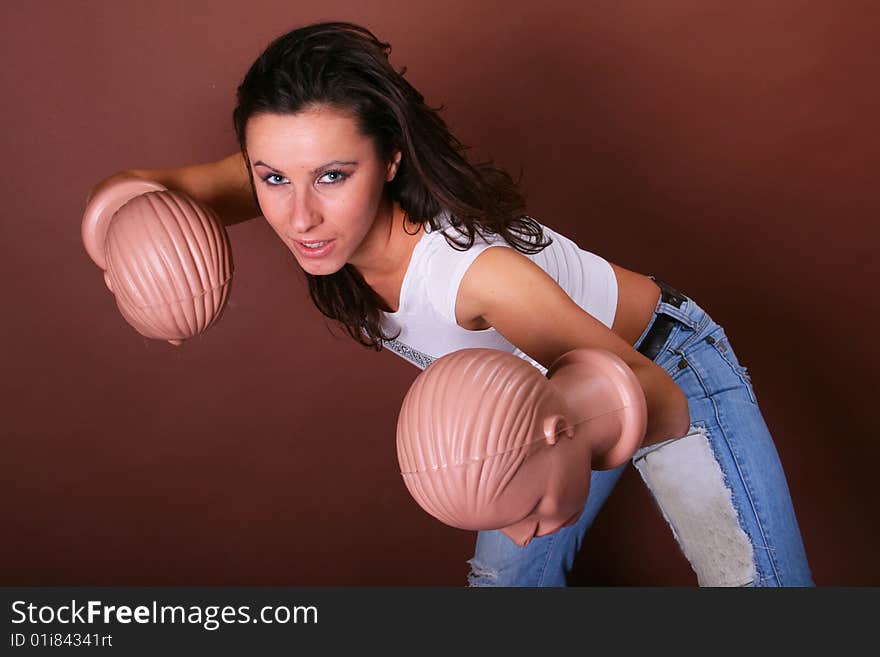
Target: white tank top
point(426, 315)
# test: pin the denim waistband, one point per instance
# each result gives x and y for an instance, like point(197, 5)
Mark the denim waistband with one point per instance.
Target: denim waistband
point(689, 314)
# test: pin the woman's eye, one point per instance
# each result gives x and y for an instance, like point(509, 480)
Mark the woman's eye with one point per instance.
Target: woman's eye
point(274, 179)
point(332, 177)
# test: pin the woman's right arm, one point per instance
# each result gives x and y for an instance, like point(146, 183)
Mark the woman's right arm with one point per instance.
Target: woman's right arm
point(222, 185)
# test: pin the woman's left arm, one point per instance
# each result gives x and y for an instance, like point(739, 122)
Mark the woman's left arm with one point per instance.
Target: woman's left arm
point(511, 293)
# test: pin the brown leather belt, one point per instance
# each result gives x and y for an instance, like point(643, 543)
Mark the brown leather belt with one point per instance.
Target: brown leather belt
point(662, 325)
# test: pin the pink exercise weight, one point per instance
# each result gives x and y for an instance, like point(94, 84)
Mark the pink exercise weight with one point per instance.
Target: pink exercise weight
point(165, 257)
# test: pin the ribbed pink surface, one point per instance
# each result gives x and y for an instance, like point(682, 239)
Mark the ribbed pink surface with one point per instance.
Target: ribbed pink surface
point(463, 430)
point(169, 264)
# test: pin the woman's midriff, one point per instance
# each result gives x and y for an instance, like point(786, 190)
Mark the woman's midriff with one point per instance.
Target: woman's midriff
point(637, 297)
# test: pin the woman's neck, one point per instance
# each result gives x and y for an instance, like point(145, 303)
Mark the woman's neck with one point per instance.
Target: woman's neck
point(385, 264)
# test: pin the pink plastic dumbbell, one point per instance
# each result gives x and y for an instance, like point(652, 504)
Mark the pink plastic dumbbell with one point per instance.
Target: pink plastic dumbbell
point(165, 257)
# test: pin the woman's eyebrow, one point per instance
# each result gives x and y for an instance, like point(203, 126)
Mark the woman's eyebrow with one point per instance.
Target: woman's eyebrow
point(334, 163)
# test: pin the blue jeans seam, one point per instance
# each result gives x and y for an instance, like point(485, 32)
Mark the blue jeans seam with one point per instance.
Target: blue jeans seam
point(738, 368)
point(746, 486)
point(546, 559)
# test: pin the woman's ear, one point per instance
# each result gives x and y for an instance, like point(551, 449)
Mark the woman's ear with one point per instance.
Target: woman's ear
point(393, 165)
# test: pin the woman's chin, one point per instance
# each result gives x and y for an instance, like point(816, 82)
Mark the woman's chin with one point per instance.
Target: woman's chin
point(319, 266)
point(321, 269)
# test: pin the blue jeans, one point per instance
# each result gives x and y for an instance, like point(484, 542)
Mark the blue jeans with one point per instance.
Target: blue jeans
point(699, 358)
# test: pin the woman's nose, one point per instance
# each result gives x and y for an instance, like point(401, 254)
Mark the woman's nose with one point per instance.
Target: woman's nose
point(304, 216)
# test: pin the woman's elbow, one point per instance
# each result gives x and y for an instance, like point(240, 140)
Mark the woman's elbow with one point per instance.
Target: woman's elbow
point(668, 413)
point(680, 416)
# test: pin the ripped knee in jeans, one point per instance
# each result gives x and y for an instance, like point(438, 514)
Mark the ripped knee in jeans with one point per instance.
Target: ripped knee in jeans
point(688, 485)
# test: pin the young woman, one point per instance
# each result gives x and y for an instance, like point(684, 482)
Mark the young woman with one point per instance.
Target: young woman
point(411, 247)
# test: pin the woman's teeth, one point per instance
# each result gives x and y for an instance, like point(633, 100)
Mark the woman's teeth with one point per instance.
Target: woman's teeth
point(314, 245)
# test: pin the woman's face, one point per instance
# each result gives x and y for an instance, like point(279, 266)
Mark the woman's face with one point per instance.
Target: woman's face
point(320, 184)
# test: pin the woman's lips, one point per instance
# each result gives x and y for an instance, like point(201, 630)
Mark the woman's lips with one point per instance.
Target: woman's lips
point(314, 252)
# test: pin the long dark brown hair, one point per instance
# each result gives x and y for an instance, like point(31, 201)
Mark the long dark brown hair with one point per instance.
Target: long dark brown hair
point(345, 66)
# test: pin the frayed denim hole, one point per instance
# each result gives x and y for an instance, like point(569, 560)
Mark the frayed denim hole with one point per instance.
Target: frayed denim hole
point(481, 575)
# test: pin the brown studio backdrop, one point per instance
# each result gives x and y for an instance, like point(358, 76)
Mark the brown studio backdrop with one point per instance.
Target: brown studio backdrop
point(727, 147)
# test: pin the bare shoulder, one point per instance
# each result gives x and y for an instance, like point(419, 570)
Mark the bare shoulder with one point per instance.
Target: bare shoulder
point(497, 271)
point(499, 275)
point(468, 304)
